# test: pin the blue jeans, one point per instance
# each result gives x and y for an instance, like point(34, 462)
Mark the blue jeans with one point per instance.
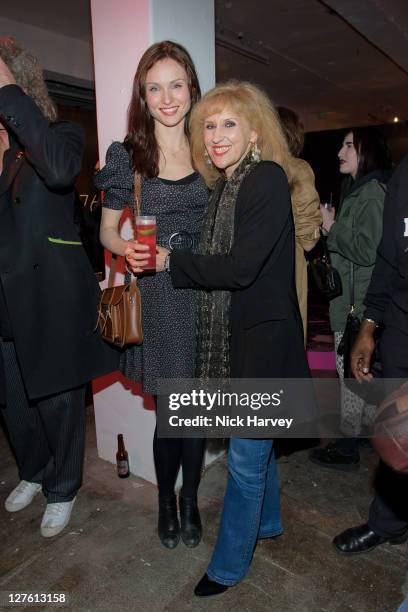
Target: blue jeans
point(251, 508)
point(404, 606)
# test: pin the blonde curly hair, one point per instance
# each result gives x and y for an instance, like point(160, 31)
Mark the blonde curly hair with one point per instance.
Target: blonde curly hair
point(28, 75)
point(250, 102)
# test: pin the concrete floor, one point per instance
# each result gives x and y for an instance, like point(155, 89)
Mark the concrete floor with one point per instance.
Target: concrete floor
point(109, 557)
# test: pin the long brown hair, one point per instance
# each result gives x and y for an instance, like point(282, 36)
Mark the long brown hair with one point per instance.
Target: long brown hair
point(140, 140)
point(250, 102)
point(293, 129)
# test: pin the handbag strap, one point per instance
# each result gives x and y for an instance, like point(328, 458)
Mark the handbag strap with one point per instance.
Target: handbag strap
point(137, 191)
point(112, 270)
point(325, 250)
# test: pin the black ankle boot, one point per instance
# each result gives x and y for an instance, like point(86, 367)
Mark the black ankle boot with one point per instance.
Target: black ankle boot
point(207, 587)
point(168, 527)
point(191, 530)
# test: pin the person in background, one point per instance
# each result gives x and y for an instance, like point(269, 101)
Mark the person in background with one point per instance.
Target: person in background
point(49, 296)
point(386, 303)
point(249, 324)
point(157, 148)
point(305, 204)
point(353, 238)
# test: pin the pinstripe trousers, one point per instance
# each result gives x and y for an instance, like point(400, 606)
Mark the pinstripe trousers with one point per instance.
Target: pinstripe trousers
point(47, 434)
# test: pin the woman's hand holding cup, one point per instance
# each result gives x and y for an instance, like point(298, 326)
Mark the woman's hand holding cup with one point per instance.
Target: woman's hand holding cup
point(137, 257)
point(328, 215)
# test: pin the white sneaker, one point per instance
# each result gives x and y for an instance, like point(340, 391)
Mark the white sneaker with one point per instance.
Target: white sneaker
point(22, 496)
point(56, 518)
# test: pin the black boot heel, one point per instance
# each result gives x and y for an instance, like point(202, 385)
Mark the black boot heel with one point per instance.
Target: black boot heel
point(191, 529)
point(168, 526)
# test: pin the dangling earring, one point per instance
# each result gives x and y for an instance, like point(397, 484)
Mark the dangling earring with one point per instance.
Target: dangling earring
point(207, 158)
point(255, 153)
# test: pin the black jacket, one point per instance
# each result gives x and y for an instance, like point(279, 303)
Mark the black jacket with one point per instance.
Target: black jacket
point(49, 287)
point(387, 296)
point(266, 328)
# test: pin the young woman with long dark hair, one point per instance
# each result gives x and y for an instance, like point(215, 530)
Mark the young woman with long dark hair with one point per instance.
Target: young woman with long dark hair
point(157, 148)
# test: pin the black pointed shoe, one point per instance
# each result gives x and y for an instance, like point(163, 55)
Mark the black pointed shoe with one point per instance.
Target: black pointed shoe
point(207, 587)
point(168, 526)
point(331, 457)
point(191, 529)
point(362, 539)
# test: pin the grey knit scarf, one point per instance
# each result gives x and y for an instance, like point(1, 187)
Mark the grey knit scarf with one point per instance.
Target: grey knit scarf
point(217, 235)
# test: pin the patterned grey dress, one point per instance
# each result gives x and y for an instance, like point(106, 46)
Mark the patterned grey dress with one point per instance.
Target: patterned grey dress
point(168, 315)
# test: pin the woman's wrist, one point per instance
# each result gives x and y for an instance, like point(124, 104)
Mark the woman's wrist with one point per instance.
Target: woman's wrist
point(167, 263)
point(162, 259)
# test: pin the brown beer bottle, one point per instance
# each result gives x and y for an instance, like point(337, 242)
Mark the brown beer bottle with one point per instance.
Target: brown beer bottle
point(122, 460)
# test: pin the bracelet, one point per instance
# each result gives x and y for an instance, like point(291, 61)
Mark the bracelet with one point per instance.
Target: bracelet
point(371, 321)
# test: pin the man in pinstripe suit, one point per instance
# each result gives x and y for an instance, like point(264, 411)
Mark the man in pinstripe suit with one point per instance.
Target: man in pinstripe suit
point(48, 294)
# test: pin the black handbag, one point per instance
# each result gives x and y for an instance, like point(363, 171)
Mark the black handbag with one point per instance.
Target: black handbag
point(326, 278)
point(370, 391)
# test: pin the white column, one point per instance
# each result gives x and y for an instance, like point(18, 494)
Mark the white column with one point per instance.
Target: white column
point(121, 33)
point(191, 23)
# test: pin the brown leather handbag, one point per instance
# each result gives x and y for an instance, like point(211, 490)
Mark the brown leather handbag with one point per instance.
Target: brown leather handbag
point(120, 308)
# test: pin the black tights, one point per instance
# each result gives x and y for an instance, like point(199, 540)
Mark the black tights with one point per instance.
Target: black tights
point(169, 453)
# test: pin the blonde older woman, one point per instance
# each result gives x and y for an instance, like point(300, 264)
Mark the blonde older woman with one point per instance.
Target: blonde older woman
point(249, 324)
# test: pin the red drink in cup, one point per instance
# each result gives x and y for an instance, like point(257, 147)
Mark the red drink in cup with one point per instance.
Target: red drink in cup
point(146, 234)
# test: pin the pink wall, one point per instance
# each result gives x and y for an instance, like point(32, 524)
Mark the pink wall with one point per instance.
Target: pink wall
point(121, 33)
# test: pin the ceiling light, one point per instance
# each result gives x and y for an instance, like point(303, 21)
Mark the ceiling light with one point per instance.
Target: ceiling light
point(241, 49)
